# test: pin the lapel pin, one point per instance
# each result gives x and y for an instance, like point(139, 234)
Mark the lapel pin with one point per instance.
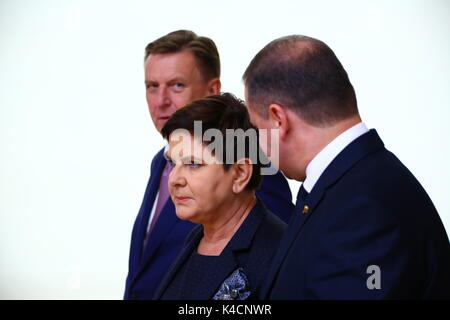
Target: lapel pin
point(305, 209)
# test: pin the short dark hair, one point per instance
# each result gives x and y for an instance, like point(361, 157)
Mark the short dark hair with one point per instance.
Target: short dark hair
point(220, 112)
point(303, 74)
point(203, 48)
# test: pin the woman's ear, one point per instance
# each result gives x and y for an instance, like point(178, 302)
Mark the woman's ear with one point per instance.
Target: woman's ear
point(243, 171)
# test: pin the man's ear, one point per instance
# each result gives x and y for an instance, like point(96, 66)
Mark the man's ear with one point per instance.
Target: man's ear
point(214, 86)
point(279, 119)
point(243, 171)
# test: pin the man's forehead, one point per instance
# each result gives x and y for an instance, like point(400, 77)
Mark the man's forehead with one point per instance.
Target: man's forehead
point(173, 69)
point(183, 60)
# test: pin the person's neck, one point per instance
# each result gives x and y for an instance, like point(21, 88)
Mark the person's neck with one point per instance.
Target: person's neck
point(315, 139)
point(217, 233)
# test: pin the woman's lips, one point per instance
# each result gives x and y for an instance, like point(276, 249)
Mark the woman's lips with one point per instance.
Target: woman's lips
point(181, 199)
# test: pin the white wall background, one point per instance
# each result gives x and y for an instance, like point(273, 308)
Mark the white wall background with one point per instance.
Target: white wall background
point(77, 140)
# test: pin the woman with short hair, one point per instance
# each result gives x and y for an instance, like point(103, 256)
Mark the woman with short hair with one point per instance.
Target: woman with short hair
point(213, 184)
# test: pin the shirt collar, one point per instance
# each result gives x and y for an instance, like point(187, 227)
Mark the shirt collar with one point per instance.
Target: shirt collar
point(166, 149)
point(321, 161)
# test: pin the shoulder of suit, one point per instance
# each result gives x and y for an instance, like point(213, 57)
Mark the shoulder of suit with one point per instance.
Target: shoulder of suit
point(157, 157)
point(271, 228)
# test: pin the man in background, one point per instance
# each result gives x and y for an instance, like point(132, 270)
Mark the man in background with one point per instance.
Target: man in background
point(364, 227)
point(179, 68)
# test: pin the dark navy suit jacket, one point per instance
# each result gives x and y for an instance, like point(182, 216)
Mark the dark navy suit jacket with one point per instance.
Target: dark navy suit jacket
point(251, 248)
point(366, 209)
point(147, 269)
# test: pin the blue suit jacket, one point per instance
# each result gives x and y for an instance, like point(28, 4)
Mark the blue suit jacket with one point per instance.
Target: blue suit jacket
point(366, 209)
point(251, 248)
point(147, 269)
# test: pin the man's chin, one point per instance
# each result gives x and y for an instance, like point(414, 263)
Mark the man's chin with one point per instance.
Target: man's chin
point(287, 175)
point(160, 124)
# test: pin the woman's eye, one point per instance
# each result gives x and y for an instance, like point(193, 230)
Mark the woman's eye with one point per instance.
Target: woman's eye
point(195, 165)
point(192, 164)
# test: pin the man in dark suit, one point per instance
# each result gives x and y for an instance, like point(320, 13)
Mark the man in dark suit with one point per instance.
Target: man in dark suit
point(364, 227)
point(179, 67)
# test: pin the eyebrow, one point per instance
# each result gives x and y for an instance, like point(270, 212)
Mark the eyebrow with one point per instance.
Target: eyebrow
point(175, 79)
point(190, 158)
point(181, 79)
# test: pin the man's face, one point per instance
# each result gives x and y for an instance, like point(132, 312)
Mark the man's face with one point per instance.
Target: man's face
point(172, 80)
point(269, 139)
point(263, 125)
point(293, 164)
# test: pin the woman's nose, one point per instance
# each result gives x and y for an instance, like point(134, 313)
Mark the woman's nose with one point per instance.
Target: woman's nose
point(176, 177)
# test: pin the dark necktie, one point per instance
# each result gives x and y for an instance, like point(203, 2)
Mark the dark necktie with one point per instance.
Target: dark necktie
point(301, 197)
point(300, 215)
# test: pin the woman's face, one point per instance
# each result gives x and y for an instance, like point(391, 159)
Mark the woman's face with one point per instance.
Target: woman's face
point(199, 186)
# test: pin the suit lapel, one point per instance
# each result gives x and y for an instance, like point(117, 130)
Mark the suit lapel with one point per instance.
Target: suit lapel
point(166, 221)
point(191, 245)
point(211, 281)
point(240, 242)
point(149, 199)
point(295, 225)
point(358, 149)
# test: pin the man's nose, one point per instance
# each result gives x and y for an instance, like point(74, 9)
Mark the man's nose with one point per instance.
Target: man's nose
point(162, 98)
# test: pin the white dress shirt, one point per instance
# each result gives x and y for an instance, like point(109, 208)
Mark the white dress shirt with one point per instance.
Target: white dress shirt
point(323, 159)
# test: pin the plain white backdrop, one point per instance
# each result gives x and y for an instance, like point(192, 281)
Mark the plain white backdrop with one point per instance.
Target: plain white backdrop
point(77, 139)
